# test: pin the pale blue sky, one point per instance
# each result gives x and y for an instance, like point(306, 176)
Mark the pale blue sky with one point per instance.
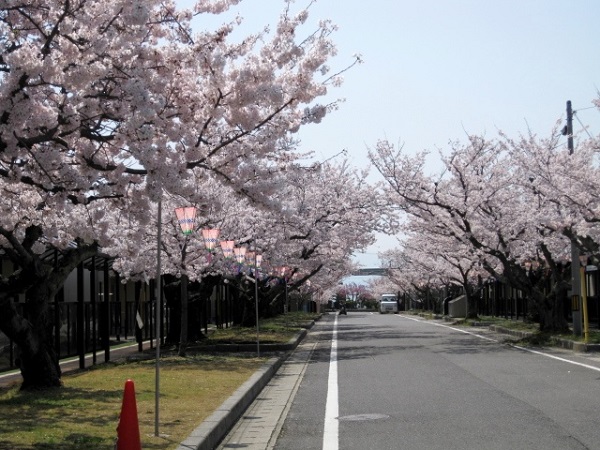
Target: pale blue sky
point(434, 69)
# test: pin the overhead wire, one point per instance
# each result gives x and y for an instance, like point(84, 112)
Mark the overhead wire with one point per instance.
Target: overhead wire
point(581, 123)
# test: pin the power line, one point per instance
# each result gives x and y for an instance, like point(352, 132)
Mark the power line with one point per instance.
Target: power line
point(580, 122)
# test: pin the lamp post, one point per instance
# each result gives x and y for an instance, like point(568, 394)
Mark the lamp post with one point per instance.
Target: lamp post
point(282, 272)
point(211, 238)
point(157, 316)
point(257, 263)
point(186, 218)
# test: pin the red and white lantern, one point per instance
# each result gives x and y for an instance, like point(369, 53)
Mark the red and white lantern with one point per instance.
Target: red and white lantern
point(211, 237)
point(186, 217)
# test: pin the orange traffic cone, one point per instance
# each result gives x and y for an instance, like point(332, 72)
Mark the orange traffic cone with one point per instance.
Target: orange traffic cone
point(128, 430)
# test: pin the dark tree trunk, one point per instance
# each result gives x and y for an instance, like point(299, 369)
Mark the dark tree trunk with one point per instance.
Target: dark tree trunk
point(39, 362)
point(196, 293)
point(183, 332)
point(200, 296)
point(236, 302)
point(33, 331)
point(172, 292)
point(551, 312)
point(195, 315)
point(472, 307)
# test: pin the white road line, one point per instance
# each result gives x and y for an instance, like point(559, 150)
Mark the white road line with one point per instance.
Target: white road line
point(331, 432)
point(587, 366)
point(536, 352)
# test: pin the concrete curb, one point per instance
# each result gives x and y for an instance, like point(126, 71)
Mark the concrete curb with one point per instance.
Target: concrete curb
point(212, 431)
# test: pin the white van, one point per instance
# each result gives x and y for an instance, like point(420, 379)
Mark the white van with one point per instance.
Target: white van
point(388, 303)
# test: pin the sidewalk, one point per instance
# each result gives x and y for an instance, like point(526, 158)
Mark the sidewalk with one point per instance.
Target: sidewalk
point(259, 427)
point(252, 417)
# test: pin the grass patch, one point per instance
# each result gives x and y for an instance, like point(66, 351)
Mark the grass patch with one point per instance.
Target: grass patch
point(84, 413)
point(275, 330)
point(593, 337)
point(510, 324)
point(543, 339)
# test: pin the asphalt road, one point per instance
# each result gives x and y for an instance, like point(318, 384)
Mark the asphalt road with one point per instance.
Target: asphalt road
point(407, 383)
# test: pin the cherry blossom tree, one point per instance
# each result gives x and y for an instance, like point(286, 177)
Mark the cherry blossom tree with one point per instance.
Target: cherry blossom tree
point(428, 263)
point(45, 247)
point(105, 107)
point(500, 221)
point(385, 284)
point(310, 230)
point(563, 185)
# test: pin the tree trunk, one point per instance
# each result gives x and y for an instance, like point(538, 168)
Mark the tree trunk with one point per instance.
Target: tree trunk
point(39, 365)
point(183, 336)
point(172, 292)
point(471, 300)
point(551, 312)
point(33, 331)
point(37, 358)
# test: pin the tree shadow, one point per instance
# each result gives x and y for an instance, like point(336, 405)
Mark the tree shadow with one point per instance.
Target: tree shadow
point(381, 340)
point(28, 412)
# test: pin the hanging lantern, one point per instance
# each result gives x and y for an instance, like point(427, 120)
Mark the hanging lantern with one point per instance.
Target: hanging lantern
point(258, 260)
point(186, 217)
point(227, 248)
point(210, 236)
point(249, 259)
point(240, 253)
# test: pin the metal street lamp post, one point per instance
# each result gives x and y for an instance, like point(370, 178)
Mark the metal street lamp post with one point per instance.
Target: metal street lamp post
point(257, 263)
point(186, 218)
point(157, 316)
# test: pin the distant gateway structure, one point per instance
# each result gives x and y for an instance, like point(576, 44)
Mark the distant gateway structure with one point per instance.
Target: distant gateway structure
point(373, 271)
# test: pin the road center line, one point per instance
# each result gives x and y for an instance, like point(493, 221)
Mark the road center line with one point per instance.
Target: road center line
point(331, 431)
point(535, 352)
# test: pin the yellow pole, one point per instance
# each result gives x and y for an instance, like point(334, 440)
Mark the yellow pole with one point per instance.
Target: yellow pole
point(586, 330)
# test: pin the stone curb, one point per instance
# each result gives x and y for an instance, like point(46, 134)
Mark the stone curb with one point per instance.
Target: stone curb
point(214, 428)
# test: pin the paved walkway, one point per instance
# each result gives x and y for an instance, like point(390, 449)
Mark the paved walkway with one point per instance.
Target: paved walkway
point(260, 425)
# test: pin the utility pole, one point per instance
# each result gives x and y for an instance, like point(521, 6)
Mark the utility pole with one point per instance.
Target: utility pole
point(575, 276)
point(569, 127)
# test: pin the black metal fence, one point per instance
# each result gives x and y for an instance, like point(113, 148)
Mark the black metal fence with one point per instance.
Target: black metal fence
point(92, 328)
